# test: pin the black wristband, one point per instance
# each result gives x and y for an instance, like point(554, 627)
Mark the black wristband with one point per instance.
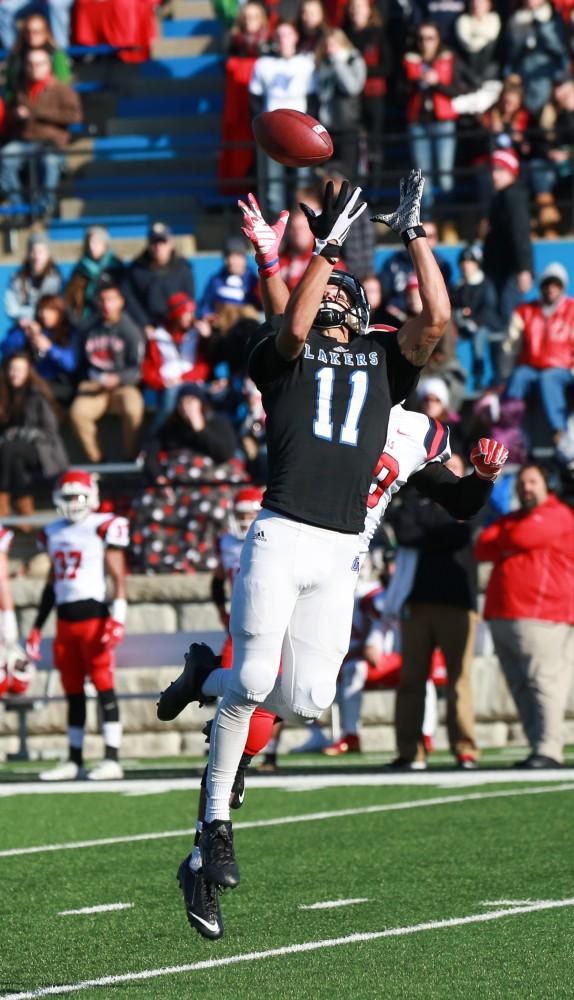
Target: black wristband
point(331, 252)
point(412, 233)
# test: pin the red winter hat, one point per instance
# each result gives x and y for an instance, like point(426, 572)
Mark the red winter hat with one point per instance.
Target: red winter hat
point(177, 304)
point(505, 159)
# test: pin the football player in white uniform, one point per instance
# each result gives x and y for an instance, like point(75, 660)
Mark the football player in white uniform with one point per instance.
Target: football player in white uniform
point(83, 545)
point(16, 671)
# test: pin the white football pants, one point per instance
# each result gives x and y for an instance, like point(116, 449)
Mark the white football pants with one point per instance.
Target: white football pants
point(292, 604)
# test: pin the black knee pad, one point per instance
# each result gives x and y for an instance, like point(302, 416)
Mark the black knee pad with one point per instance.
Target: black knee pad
point(109, 705)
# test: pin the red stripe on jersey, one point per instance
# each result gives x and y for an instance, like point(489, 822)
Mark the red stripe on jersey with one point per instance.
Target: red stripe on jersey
point(102, 529)
point(384, 327)
point(438, 438)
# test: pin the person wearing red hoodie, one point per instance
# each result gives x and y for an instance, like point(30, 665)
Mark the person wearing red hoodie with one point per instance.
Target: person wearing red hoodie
point(530, 608)
point(37, 128)
point(174, 355)
point(544, 333)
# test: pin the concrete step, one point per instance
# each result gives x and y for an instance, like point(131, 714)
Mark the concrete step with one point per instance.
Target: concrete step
point(186, 125)
point(175, 48)
point(185, 9)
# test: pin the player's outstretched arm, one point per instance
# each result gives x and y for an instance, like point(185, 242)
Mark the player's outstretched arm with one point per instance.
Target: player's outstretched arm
point(266, 240)
point(418, 337)
point(114, 629)
point(330, 228)
point(463, 496)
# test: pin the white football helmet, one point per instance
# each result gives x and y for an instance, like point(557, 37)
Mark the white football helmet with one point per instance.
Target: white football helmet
point(76, 495)
point(246, 506)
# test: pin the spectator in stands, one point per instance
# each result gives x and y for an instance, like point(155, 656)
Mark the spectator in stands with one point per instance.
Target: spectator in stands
point(235, 282)
point(153, 277)
point(551, 159)
point(251, 431)
point(175, 355)
point(10, 11)
point(541, 337)
point(530, 611)
point(475, 309)
point(284, 80)
point(374, 292)
point(196, 426)
point(440, 610)
point(249, 36)
point(110, 359)
point(477, 39)
point(508, 244)
point(247, 40)
point(535, 48)
point(443, 13)
point(340, 78)
point(37, 276)
point(34, 34)
point(358, 251)
point(433, 398)
point(507, 121)
point(60, 15)
point(31, 450)
point(446, 367)
point(311, 24)
point(53, 345)
point(37, 128)
point(297, 247)
point(433, 77)
point(398, 266)
point(97, 264)
point(365, 30)
point(128, 25)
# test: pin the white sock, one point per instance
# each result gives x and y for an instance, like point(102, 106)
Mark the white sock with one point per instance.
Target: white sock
point(226, 745)
point(215, 684)
point(353, 682)
point(112, 733)
point(430, 719)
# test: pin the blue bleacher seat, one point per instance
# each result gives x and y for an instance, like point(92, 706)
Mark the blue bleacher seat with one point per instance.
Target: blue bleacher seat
point(192, 27)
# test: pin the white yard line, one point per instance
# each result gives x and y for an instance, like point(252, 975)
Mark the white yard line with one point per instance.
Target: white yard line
point(332, 904)
point(443, 800)
point(292, 782)
point(291, 949)
point(104, 908)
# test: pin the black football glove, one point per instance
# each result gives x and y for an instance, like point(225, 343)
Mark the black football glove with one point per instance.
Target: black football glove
point(332, 224)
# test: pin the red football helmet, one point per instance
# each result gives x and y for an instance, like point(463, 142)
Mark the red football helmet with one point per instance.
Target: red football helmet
point(246, 506)
point(76, 495)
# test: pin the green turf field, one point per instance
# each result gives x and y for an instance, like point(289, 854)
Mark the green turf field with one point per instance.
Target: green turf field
point(467, 897)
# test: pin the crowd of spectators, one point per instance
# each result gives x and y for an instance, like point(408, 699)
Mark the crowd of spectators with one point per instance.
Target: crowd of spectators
point(441, 84)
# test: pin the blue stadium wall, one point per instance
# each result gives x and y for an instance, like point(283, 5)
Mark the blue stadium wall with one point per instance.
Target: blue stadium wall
point(206, 265)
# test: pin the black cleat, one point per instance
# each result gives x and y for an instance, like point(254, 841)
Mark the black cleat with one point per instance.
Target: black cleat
point(200, 660)
point(201, 902)
point(536, 762)
point(237, 797)
point(219, 864)
point(401, 764)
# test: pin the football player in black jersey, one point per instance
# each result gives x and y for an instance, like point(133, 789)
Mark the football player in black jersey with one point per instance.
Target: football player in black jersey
point(328, 384)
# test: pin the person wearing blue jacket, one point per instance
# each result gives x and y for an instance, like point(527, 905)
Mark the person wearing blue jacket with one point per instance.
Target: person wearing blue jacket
point(52, 344)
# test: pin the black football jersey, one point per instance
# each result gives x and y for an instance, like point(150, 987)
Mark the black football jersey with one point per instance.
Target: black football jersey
point(327, 415)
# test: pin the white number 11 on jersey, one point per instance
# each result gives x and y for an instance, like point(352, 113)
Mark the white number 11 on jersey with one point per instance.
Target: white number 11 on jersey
point(323, 422)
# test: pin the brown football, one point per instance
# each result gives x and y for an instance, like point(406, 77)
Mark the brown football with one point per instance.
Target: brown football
point(292, 138)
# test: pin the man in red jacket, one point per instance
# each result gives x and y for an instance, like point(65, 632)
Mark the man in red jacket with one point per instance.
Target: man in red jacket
point(545, 332)
point(530, 607)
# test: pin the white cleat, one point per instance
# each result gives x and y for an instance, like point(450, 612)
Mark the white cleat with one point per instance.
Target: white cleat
point(106, 770)
point(68, 771)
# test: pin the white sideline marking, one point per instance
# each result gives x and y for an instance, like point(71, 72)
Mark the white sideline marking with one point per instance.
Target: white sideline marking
point(291, 949)
point(104, 908)
point(443, 800)
point(308, 782)
point(332, 904)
